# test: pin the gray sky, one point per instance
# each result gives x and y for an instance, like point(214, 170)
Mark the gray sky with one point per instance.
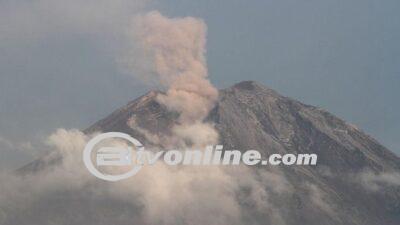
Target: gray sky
point(58, 60)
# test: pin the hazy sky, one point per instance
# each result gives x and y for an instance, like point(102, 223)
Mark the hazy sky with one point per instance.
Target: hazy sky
point(58, 60)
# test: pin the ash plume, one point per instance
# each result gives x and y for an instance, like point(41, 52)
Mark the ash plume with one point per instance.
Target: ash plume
point(169, 52)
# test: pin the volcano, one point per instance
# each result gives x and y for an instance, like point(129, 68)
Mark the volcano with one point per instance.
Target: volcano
point(355, 182)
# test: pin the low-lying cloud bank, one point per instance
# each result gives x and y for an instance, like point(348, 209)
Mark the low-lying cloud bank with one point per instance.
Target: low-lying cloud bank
point(170, 195)
point(158, 194)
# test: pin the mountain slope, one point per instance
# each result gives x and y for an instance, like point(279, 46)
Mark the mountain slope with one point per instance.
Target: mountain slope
point(356, 179)
point(251, 116)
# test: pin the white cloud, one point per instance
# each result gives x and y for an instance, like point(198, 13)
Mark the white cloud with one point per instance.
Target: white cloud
point(199, 195)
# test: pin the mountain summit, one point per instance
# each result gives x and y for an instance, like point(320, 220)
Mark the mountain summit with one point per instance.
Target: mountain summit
point(355, 182)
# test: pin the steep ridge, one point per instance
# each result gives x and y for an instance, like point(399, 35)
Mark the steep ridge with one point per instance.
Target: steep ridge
point(351, 184)
point(252, 116)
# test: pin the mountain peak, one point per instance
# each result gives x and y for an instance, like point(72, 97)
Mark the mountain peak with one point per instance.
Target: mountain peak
point(252, 87)
point(249, 115)
point(247, 85)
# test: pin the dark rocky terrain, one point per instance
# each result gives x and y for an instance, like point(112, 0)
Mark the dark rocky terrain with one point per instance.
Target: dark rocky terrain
point(354, 182)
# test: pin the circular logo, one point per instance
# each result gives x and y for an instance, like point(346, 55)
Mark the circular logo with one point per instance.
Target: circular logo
point(112, 156)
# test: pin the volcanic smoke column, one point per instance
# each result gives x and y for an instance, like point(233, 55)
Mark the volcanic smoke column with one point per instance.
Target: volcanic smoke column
point(170, 52)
